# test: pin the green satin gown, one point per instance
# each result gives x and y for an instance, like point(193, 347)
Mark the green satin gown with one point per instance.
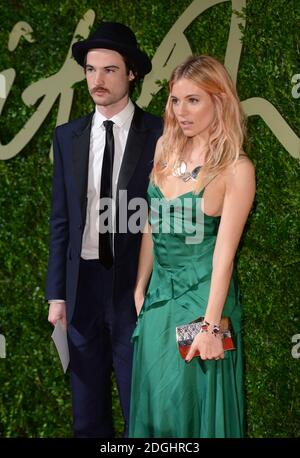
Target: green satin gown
point(171, 398)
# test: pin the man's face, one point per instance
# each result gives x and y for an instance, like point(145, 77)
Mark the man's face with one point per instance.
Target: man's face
point(107, 78)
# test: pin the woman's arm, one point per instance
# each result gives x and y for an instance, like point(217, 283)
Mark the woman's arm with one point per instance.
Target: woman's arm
point(144, 268)
point(238, 199)
point(145, 258)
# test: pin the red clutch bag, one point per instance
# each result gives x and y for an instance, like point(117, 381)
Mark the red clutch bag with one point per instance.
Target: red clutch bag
point(186, 333)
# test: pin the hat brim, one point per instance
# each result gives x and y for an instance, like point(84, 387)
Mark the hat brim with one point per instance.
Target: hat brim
point(141, 60)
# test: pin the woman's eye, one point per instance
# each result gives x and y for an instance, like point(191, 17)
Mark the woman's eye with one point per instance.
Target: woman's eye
point(174, 101)
point(193, 100)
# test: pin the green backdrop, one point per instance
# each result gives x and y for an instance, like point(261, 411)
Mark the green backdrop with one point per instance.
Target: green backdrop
point(34, 393)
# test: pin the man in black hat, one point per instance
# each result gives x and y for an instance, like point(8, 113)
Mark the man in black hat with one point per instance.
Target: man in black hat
point(100, 158)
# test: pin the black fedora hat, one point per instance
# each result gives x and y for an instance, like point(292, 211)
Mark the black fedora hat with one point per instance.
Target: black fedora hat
point(118, 37)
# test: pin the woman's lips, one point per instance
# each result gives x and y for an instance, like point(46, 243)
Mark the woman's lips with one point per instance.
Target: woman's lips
point(186, 124)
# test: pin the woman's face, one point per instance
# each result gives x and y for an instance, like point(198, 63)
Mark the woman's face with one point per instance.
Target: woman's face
point(193, 108)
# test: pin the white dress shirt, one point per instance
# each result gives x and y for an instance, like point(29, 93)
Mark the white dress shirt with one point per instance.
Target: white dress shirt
point(122, 122)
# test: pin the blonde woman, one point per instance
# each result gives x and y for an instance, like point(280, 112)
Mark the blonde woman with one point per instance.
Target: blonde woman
point(206, 182)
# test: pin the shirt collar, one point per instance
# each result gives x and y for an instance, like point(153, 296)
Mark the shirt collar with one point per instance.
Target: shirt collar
point(119, 119)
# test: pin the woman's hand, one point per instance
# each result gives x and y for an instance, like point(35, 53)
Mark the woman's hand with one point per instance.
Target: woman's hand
point(210, 346)
point(139, 298)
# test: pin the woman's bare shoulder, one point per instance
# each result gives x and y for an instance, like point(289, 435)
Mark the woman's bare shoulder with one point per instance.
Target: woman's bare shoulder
point(240, 176)
point(242, 168)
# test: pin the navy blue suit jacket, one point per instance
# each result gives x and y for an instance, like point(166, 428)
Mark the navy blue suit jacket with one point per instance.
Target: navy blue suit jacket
point(69, 203)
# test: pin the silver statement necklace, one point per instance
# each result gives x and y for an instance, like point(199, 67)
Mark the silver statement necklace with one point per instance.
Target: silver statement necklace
point(180, 171)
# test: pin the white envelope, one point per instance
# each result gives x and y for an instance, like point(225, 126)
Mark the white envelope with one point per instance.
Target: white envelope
point(59, 337)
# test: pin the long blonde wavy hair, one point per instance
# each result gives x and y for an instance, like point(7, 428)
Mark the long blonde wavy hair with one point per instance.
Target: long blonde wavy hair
point(227, 131)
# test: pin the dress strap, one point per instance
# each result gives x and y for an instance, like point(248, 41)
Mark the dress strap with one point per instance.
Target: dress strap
point(241, 155)
point(203, 189)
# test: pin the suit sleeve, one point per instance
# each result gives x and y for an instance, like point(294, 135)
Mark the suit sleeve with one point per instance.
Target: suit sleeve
point(59, 229)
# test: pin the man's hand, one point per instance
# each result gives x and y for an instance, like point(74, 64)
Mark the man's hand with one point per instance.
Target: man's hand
point(57, 311)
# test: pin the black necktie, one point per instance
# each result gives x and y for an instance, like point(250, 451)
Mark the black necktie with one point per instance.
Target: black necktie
point(105, 238)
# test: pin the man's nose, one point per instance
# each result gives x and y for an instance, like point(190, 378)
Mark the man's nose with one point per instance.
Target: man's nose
point(99, 79)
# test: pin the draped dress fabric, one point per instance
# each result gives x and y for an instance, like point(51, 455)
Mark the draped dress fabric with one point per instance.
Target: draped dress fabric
point(170, 398)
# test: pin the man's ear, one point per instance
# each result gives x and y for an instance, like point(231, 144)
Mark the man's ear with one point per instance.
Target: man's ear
point(131, 75)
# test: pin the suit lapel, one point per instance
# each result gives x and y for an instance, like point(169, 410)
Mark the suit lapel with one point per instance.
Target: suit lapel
point(133, 150)
point(80, 157)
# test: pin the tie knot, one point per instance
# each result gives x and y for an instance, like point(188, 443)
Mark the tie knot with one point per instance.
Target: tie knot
point(108, 125)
